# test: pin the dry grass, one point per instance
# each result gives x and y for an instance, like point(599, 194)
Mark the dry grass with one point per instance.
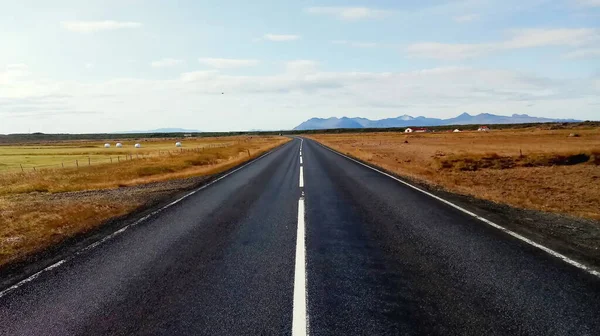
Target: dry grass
point(56, 154)
point(32, 222)
point(39, 209)
point(175, 165)
point(531, 168)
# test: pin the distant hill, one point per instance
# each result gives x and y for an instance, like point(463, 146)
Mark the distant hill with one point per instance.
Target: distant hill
point(318, 123)
point(162, 130)
point(406, 120)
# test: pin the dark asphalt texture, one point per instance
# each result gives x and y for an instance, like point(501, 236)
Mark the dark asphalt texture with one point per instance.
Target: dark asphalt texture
point(382, 259)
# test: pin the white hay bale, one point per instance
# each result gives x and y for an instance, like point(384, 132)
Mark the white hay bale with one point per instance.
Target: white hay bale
point(137, 146)
point(106, 145)
point(178, 144)
point(119, 145)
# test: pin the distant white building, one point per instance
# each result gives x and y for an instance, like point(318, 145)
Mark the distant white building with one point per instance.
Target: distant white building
point(483, 129)
point(456, 131)
point(416, 130)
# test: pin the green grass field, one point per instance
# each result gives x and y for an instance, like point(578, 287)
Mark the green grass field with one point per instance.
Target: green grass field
point(69, 154)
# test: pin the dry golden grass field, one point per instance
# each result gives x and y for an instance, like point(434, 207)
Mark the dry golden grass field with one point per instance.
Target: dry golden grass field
point(532, 168)
point(56, 154)
point(44, 207)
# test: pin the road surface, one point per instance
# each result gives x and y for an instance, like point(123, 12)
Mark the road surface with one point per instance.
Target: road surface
point(305, 241)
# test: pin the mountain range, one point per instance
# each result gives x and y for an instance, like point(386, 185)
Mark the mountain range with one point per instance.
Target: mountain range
point(406, 120)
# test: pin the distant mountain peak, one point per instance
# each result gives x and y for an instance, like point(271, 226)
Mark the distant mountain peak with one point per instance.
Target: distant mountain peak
point(406, 121)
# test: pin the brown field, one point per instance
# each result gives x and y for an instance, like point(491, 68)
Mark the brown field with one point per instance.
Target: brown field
point(16, 157)
point(532, 168)
point(42, 208)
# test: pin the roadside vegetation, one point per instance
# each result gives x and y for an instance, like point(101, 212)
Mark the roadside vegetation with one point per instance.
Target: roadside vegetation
point(553, 170)
point(44, 207)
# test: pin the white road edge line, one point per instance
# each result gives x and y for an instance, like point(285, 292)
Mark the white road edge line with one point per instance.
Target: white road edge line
point(300, 317)
point(488, 222)
point(123, 229)
point(301, 177)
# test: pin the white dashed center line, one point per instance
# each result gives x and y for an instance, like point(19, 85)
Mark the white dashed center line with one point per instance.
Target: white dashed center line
point(300, 316)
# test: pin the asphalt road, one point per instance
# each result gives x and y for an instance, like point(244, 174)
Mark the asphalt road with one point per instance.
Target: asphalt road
point(313, 244)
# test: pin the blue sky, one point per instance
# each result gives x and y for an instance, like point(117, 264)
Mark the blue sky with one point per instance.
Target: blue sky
point(104, 66)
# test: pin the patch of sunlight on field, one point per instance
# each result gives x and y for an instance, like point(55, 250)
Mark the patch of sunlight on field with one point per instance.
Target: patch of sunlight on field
point(84, 153)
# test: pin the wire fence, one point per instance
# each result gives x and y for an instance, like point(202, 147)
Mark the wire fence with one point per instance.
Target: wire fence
point(94, 160)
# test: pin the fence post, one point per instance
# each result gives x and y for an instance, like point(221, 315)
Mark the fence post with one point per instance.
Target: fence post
point(248, 152)
point(118, 159)
point(22, 170)
point(63, 164)
point(89, 161)
point(34, 169)
point(110, 159)
point(77, 163)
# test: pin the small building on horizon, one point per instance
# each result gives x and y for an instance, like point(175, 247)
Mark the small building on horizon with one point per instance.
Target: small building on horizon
point(456, 131)
point(416, 130)
point(483, 129)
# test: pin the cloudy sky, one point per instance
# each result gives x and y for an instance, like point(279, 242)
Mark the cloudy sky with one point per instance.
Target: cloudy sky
point(114, 65)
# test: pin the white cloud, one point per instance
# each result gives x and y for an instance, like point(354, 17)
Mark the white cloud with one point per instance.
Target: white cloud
point(13, 72)
point(349, 13)
point(97, 26)
point(355, 44)
point(583, 53)
point(528, 38)
point(301, 66)
point(521, 38)
point(226, 63)
point(284, 99)
point(17, 67)
point(466, 18)
point(448, 51)
point(166, 62)
point(281, 38)
point(588, 3)
point(198, 75)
